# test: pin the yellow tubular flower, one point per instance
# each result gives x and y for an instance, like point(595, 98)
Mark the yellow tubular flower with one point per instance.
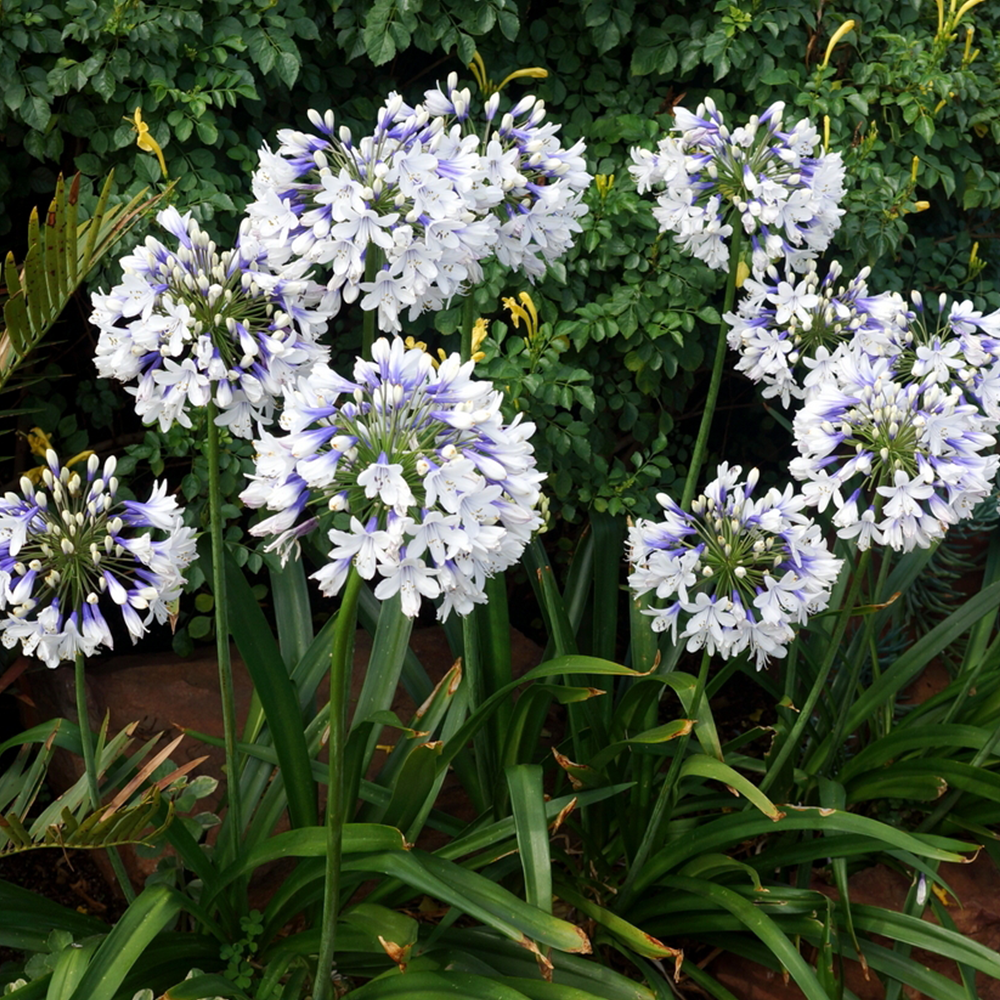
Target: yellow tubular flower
point(145, 141)
point(913, 169)
point(535, 72)
point(604, 183)
point(967, 6)
point(478, 68)
point(525, 310)
point(921, 206)
point(847, 26)
point(39, 442)
point(742, 273)
point(826, 133)
point(480, 330)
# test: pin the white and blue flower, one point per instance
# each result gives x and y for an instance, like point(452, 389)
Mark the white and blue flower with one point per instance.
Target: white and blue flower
point(70, 551)
point(737, 572)
point(434, 492)
point(193, 325)
point(777, 186)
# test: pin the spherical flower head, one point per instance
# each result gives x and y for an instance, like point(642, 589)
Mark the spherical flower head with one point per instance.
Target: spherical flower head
point(195, 324)
point(787, 325)
point(778, 186)
point(736, 573)
point(71, 552)
point(430, 490)
point(910, 455)
point(951, 344)
point(403, 217)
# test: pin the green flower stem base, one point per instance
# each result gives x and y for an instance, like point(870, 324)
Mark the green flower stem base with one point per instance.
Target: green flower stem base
point(794, 740)
point(234, 818)
point(701, 443)
point(373, 264)
point(666, 798)
point(90, 768)
point(336, 806)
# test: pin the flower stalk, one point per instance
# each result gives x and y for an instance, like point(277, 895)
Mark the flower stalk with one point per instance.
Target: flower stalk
point(221, 607)
point(718, 364)
point(336, 806)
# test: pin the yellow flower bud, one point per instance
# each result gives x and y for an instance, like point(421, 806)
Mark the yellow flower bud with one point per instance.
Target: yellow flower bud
point(913, 169)
point(535, 72)
point(480, 331)
point(847, 26)
point(921, 206)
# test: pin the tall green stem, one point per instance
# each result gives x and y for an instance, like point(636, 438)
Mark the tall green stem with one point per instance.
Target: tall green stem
point(336, 806)
point(468, 322)
point(701, 443)
point(667, 796)
point(833, 648)
point(373, 264)
point(90, 769)
point(227, 691)
point(817, 761)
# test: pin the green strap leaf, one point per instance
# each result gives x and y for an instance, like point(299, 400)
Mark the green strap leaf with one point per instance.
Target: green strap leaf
point(527, 802)
point(759, 924)
point(150, 912)
point(708, 767)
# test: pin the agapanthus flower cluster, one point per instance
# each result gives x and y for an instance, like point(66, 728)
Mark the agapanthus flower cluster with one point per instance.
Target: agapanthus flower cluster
point(737, 573)
point(406, 214)
point(69, 547)
point(434, 492)
point(541, 183)
point(777, 185)
point(952, 345)
point(786, 324)
point(195, 324)
point(901, 457)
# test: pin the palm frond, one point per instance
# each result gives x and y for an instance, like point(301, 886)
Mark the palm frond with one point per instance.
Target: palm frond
point(61, 253)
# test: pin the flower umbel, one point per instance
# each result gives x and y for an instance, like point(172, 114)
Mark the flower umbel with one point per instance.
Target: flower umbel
point(786, 323)
point(429, 488)
point(911, 456)
point(737, 573)
point(777, 185)
point(68, 547)
point(195, 324)
point(407, 214)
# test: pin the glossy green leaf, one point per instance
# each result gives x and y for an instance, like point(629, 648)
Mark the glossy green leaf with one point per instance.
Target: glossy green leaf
point(759, 924)
point(527, 802)
point(708, 767)
point(941, 771)
point(905, 739)
point(70, 966)
point(922, 934)
point(628, 934)
point(660, 734)
point(435, 986)
point(481, 898)
point(149, 913)
point(311, 842)
point(737, 828)
point(267, 670)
